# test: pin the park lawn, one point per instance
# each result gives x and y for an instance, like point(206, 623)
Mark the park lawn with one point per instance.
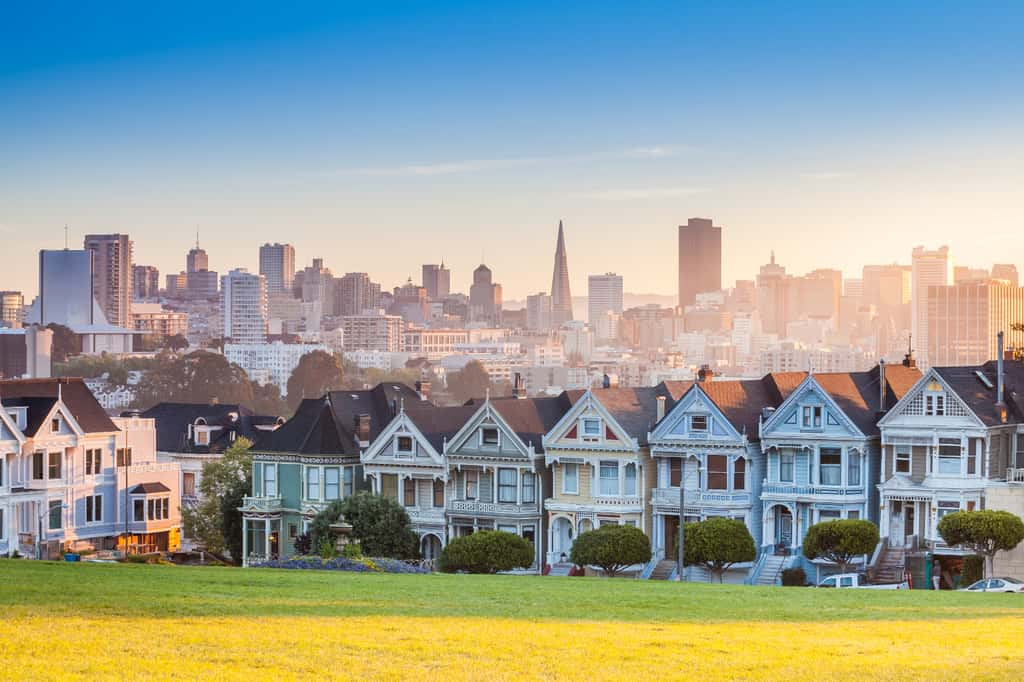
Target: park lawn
point(99, 621)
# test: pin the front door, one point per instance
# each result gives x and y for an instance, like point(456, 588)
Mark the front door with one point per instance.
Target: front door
point(908, 522)
point(897, 531)
point(783, 527)
point(671, 546)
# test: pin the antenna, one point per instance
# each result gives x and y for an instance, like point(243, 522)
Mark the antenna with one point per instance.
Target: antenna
point(197, 237)
point(65, 236)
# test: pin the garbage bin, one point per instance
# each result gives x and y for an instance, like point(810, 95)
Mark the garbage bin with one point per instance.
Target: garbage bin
point(72, 557)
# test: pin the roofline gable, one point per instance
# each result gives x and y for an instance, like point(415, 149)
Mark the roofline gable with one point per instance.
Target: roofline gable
point(917, 388)
point(801, 390)
point(487, 409)
point(679, 410)
point(400, 423)
point(587, 400)
point(12, 427)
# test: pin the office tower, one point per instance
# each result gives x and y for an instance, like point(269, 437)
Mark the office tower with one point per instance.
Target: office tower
point(1005, 271)
point(197, 260)
point(145, 282)
point(374, 331)
point(316, 284)
point(853, 287)
point(12, 309)
point(65, 288)
point(962, 273)
point(561, 296)
point(244, 304)
point(538, 312)
point(277, 264)
point(700, 259)
point(176, 285)
point(929, 269)
point(964, 319)
point(437, 280)
point(485, 297)
point(815, 295)
point(410, 302)
point(112, 275)
point(356, 294)
point(773, 297)
point(604, 293)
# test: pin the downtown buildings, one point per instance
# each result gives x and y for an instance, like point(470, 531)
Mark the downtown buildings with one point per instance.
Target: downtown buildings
point(244, 305)
point(277, 265)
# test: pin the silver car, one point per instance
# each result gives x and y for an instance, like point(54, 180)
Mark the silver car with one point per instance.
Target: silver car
point(996, 585)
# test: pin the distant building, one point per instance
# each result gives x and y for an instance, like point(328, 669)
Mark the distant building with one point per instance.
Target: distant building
point(604, 294)
point(930, 269)
point(1007, 272)
point(964, 320)
point(176, 285)
point(145, 282)
point(484, 297)
point(700, 259)
point(277, 265)
point(437, 280)
point(773, 297)
point(12, 309)
point(538, 312)
point(155, 320)
point(270, 363)
point(374, 331)
point(244, 303)
point(65, 288)
point(433, 344)
point(112, 275)
point(561, 295)
point(356, 294)
point(26, 353)
point(316, 284)
point(410, 302)
point(200, 281)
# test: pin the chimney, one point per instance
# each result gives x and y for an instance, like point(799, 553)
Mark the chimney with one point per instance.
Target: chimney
point(1000, 404)
point(661, 408)
point(606, 381)
point(423, 388)
point(881, 386)
point(908, 359)
point(517, 386)
point(362, 424)
point(705, 373)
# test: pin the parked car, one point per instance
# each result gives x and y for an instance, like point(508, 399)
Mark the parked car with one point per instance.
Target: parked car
point(859, 581)
point(995, 585)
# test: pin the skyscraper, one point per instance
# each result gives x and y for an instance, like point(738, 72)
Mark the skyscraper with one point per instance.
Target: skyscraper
point(277, 264)
point(65, 288)
point(201, 282)
point(356, 294)
point(964, 319)
point(112, 275)
point(484, 297)
point(437, 280)
point(12, 309)
point(561, 296)
point(538, 312)
point(244, 303)
point(604, 294)
point(197, 260)
point(700, 259)
point(145, 282)
point(928, 269)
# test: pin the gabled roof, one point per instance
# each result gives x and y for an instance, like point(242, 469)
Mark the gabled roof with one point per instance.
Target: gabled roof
point(39, 396)
point(981, 398)
point(634, 409)
point(173, 420)
point(741, 401)
point(439, 424)
point(531, 418)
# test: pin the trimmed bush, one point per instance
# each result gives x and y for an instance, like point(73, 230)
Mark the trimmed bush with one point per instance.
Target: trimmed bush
point(794, 577)
point(985, 532)
point(380, 525)
point(486, 551)
point(716, 544)
point(840, 541)
point(973, 570)
point(612, 548)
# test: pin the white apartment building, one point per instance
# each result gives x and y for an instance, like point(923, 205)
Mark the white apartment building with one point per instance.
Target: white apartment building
point(434, 344)
point(375, 331)
point(244, 305)
point(377, 359)
point(538, 312)
point(604, 294)
point(270, 363)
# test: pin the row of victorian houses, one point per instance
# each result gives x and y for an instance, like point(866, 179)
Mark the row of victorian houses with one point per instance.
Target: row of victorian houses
point(779, 453)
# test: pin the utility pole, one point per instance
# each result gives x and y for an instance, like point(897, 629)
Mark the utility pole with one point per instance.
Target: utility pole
point(682, 510)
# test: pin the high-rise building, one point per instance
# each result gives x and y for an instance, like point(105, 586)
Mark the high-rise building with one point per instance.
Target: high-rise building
point(437, 280)
point(176, 285)
point(355, 294)
point(484, 297)
point(700, 259)
point(1006, 271)
point(244, 303)
point(964, 320)
point(12, 309)
point(963, 273)
point(112, 275)
point(561, 295)
point(538, 312)
point(277, 264)
point(200, 281)
point(197, 260)
point(929, 269)
point(410, 302)
point(604, 293)
point(145, 282)
point(65, 288)
point(773, 297)
point(374, 331)
point(887, 288)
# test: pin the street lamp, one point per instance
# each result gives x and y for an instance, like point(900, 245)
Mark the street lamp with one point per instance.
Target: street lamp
point(683, 477)
point(39, 538)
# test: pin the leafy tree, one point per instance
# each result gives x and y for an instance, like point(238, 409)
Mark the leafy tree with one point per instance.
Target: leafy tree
point(840, 541)
point(267, 400)
point(472, 381)
point(612, 548)
point(65, 342)
point(380, 525)
point(317, 373)
point(373, 376)
point(985, 532)
point(214, 522)
point(487, 551)
point(716, 544)
point(199, 377)
point(175, 342)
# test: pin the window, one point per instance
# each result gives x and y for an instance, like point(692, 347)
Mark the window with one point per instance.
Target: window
point(630, 480)
point(830, 466)
point(608, 474)
point(124, 457)
point(409, 492)
point(1020, 451)
point(935, 404)
point(37, 466)
point(349, 476)
point(55, 425)
point(852, 468)
point(54, 468)
point(946, 507)
point(829, 515)
point(438, 493)
point(94, 509)
point(846, 581)
point(312, 483)
point(139, 510)
point(811, 417)
point(699, 423)
point(489, 436)
point(508, 529)
point(529, 487)
point(93, 461)
point(570, 478)
point(739, 474)
point(591, 428)
point(507, 485)
point(270, 480)
point(202, 437)
point(529, 534)
point(949, 456)
point(718, 472)
point(853, 514)
point(472, 485)
point(56, 515)
point(293, 530)
point(675, 472)
point(188, 484)
point(902, 463)
point(786, 467)
point(158, 509)
point(389, 486)
point(331, 483)
point(404, 445)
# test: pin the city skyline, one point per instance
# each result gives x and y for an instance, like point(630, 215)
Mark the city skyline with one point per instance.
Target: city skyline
point(830, 136)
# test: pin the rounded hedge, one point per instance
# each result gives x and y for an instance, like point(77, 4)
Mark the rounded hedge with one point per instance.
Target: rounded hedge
point(612, 548)
point(486, 551)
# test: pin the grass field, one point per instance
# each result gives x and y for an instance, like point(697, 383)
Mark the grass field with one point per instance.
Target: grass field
point(123, 621)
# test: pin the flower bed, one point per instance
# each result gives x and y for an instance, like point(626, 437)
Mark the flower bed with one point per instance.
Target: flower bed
point(364, 565)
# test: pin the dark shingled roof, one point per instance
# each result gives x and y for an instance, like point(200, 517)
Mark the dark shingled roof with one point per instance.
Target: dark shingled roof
point(39, 396)
point(149, 488)
point(741, 401)
point(635, 409)
point(981, 399)
point(173, 420)
point(531, 418)
point(438, 424)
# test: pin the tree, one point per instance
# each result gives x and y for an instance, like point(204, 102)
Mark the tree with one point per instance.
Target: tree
point(983, 531)
point(317, 373)
point(612, 548)
point(215, 521)
point(65, 342)
point(199, 377)
point(840, 541)
point(472, 381)
point(487, 551)
point(380, 525)
point(716, 544)
point(175, 342)
point(267, 400)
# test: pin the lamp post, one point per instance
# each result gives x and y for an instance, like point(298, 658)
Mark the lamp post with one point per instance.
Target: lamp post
point(683, 476)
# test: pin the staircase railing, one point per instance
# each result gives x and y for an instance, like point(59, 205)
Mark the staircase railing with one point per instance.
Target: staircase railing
point(876, 556)
point(648, 569)
point(755, 570)
point(674, 575)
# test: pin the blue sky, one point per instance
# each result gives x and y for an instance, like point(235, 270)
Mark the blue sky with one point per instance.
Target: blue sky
point(383, 135)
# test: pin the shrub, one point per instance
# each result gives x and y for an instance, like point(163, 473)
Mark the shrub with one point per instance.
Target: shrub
point(352, 551)
point(313, 563)
point(380, 524)
point(326, 549)
point(487, 551)
point(840, 541)
point(985, 532)
point(304, 544)
point(612, 548)
point(973, 570)
point(716, 544)
point(794, 577)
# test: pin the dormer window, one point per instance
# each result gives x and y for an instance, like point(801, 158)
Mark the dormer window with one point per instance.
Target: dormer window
point(811, 416)
point(699, 423)
point(934, 404)
point(591, 428)
point(404, 445)
point(202, 437)
point(489, 436)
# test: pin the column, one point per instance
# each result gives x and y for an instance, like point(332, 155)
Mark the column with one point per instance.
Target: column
point(266, 538)
point(245, 541)
point(494, 484)
point(519, 486)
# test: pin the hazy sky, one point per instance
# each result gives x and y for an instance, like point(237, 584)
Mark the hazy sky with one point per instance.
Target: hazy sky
point(384, 136)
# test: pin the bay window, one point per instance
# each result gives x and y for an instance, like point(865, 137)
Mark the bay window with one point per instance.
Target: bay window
point(718, 472)
point(529, 487)
point(331, 483)
point(853, 468)
point(948, 456)
point(570, 478)
point(312, 483)
point(786, 467)
point(389, 486)
point(409, 492)
point(438, 493)
point(54, 469)
point(472, 484)
point(902, 459)
point(506, 485)
point(830, 466)
point(675, 471)
point(608, 474)
point(739, 474)
point(630, 480)
point(349, 476)
point(56, 515)
point(270, 480)
point(946, 507)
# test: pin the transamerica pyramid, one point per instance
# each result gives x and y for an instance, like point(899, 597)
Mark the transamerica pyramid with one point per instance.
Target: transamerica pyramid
point(561, 296)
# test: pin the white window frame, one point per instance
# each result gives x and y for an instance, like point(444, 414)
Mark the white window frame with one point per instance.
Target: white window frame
point(267, 492)
point(615, 480)
point(791, 456)
point(812, 417)
point(693, 423)
point(327, 483)
point(586, 432)
point(484, 439)
point(575, 468)
point(838, 466)
point(941, 462)
point(507, 486)
point(626, 490)
point(906, 456)
point(404, 452)
point(348, 482)
point(311, 479)
point(528, 481)
point(91, 516)
point(854, 464)
point(471, 483)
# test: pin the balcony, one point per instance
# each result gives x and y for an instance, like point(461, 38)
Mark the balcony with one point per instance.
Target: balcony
point(261, 505)
point(1015, 475)
point(793, 490)
point(670, 497)
point(477, 507)
point(426, 515)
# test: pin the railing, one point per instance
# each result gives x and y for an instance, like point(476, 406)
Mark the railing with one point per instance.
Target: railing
point(262, 504)
point(670, 497)
point(674, 575)
point(648, 568)
point(632, 501)
point(755, 570)
point(1015, 475)
point(869, 568)
point(788, 489)
point(419, 515)
point(477, 507)
point(154, 468)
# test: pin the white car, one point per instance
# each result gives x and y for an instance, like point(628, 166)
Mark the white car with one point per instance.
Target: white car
point(996, 585)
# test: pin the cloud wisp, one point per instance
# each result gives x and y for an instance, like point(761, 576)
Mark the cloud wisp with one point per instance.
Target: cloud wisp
point(638, 193)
